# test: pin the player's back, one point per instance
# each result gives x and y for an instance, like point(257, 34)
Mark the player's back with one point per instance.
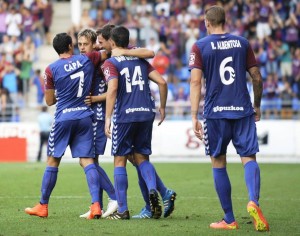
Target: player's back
point(72, 79)
point(134, 101)
point(225, 60)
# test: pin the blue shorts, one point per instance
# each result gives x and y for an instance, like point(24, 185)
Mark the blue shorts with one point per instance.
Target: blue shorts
point(99, 136)
point(78, 134)
point(128, 138)
point(219, 132)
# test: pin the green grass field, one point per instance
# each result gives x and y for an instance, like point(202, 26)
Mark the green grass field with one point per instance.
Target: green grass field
point(196, 205)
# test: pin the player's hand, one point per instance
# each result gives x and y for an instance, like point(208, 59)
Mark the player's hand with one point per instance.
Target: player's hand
point(162, 112)
point(107, 128)
point(88, 100)
point(116, 52)
point(198, 129)
point(257, 114)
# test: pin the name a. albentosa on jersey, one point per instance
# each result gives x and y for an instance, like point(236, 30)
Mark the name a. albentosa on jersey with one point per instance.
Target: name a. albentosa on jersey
point(223, 45)
point(72, 66)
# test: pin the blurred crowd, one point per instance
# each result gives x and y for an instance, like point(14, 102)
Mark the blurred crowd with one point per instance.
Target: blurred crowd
point(24, 26)
point(170, 28)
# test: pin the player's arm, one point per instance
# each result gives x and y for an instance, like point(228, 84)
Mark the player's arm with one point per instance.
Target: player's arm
point(195, 96)
point(134, 52)
point(156, 77)
point(257, 89)
point(256, 81)
point(112, 89)
point(94, 99)
point(50, 97)
point(111, 76)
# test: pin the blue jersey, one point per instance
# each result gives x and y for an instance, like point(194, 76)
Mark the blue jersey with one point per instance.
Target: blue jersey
point(134, 102)
point(224, 60)
point(99, 87)
point(72, 78)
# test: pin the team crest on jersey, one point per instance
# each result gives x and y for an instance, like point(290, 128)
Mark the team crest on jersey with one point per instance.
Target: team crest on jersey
point(106, 72)
point(192, 59)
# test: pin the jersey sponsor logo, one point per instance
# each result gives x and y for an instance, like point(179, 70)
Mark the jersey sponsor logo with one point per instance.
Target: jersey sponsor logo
point(72, 66)
point(192, 59)
point(74, 109)
point(129, 110)
point(227, 108)
point(222, 45)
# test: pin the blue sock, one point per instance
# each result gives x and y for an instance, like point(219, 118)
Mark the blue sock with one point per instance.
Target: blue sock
point(252, 179)
point(160, 186)
point(223, 188)
point(101, 197)
point(48, 183)
point(149, 174)
point(106, 183)
point(93, 181)
point(121, 186)
point(143, 188)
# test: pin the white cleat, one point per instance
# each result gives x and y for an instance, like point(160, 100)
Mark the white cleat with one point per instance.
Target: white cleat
point(87, 214)
point(112, 207)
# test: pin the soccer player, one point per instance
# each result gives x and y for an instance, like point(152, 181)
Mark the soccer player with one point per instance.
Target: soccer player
point(168, 195)
point(87, 39)
point(223, 60)
point(129, 96)
point(87, 42)
point(67, 82)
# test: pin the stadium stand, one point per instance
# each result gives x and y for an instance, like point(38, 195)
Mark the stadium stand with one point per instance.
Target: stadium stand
point(170, 27)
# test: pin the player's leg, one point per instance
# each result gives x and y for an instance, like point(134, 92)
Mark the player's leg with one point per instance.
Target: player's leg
point(142, 150)
point(145, 213)
point(57, 144)
point(92, 177)
point(122, 146)
point(121, 186)
point(82, 145)
point(217, 138)
point(246, 144)
point(106, 184)
point(48, 184)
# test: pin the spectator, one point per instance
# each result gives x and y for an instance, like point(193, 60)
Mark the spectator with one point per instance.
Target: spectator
point(3, 13)
point(263, 29)
point(13, 22)
point(10, 81)
point(38, 81)
point(28, 26)
point(45, 123)
point(47, 20)
point(296, 71)
point(270, 100)
point(285, 58)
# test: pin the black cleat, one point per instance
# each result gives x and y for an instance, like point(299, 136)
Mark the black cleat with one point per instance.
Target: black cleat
point(155, 204)
point(119, 216)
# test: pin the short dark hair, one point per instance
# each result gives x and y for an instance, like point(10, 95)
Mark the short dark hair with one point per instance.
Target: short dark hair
point(120, 35)
point(215, 15)
point(61, 43)
point(105, 31)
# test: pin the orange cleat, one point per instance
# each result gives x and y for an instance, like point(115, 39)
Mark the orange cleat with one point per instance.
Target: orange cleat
point(259, 221)
point(40, 210)
point(223, 225)
point(95, 211)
